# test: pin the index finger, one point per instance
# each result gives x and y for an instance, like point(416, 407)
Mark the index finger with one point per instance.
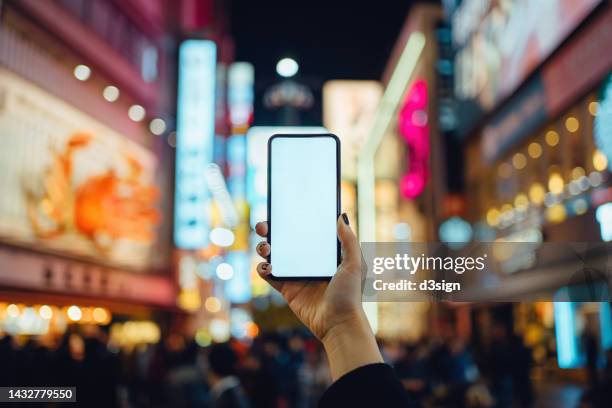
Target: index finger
point(262, 229)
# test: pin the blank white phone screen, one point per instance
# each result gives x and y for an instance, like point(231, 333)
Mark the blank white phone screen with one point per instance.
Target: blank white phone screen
point(303, 206)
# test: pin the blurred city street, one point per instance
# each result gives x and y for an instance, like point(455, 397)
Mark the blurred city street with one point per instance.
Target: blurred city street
point(134, 169)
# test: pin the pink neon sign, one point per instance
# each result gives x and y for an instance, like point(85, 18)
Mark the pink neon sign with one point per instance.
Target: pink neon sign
point(414, 129)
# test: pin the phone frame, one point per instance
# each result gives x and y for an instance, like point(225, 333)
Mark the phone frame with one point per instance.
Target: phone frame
point(269, 199)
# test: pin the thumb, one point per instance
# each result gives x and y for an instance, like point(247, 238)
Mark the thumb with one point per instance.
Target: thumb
point(350, 246)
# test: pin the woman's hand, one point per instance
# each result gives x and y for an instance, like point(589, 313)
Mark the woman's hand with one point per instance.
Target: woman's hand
point(331, 310)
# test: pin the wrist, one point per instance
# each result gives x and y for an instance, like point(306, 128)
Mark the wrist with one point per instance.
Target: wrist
point(354, 324)
point(350, 344)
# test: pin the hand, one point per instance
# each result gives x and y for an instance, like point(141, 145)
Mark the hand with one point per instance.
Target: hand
point(321, 305)
point(331, 310)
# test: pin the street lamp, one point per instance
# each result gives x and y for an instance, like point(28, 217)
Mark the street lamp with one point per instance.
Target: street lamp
point(287, 67)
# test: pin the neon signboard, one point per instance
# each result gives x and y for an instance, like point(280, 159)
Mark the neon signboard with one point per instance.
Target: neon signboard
point(194, 145)
point(414, 129)
point(603, 214)
point(500, 44)
point(241, 93)
point(568, 355)
point(603, 122)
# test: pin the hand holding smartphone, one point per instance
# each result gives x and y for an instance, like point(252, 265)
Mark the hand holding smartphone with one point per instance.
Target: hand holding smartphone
point(303, 205)
point(305, 226)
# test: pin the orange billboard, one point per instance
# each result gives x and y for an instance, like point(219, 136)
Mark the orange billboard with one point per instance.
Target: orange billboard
point(70, 184)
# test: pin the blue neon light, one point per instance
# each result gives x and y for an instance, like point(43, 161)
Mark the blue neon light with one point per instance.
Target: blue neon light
point(455, 232)
point(568, 355)
point(194, 144)
point(605, 321)
point(238, 288)
point(603, 214)
point(602, 127)
point(236, 159)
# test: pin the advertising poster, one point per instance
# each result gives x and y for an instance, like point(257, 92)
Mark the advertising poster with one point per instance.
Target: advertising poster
point(71, 185)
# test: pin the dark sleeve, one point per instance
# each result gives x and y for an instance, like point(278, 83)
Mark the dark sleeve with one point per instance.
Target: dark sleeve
point(373, 385)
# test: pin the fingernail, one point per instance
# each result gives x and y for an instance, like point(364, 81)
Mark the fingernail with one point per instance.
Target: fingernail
point(265, 267)
point(345, 218)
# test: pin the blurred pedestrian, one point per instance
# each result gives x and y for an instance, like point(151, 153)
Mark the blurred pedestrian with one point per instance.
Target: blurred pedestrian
point(600, 395)
point(8, 357)
point(590, 344)
point(259, 382)
point(313, 379)
point(522, 362)
point(413, 371)
point(225, 388)
point(499, 361)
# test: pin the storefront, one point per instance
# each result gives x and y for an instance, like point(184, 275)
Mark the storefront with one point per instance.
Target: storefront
point(84, 233)
point(536, 170)
point(536, 167)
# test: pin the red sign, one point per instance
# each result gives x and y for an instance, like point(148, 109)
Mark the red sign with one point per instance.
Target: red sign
point(414, 128)
point(26, 270)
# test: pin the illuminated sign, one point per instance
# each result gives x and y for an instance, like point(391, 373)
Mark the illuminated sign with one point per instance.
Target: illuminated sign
point(194, 146)
point(73, 185)
point(603, 122)
point(348, 111)
point(499, 46)
point(236, 166)
point(238, 288)
point(568, 355)
point(218, 188)
point(414, 129)
point(240, 93)
point(366, 179)
point(604, 217)
point(605, 324)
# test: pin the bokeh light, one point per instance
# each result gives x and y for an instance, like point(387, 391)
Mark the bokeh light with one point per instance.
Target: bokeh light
point(74, 313)
point(157, 126)
point(45, 312)
point(572, 124)
point(534, 150)
point(552, 138)
point(225, 271)
point(212, 304)
point(111, 93)
point(136, 113)
point(82, 72)
point(287, 67)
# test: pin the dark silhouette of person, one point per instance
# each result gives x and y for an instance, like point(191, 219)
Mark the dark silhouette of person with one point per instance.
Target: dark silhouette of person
point(225, 388)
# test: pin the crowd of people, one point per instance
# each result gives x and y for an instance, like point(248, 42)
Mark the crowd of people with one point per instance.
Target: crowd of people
point(275, 370)
point(287, 369)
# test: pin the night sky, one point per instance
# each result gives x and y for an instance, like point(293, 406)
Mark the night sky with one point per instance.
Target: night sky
point(333, 39)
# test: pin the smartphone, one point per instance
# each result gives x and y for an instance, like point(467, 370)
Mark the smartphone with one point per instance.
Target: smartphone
point(303, 205)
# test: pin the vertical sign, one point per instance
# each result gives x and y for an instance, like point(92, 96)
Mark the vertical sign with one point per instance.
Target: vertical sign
point(241, 95)
point(241, 78)
point(238, 289)
point(568, 355)
point(194, 145)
